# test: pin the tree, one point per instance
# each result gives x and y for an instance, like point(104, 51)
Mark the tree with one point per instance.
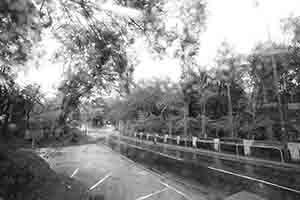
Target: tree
point(8, 90)
point(230, 77)
point(274, 70)
point(154, 99)
point(206, 92)
point(95, 53)
point(192, 25)
point(21, 25)
point(183, 38)
point(32, 96)
point(16, 102)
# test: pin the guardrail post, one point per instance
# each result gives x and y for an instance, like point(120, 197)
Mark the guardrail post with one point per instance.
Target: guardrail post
point(281, 154)
point(247, 146)
point(165, 138)
point(165, 141)
point(217, 144)
point(178, 139)
point(294, 149)
point(194, 141)
point(32, 142)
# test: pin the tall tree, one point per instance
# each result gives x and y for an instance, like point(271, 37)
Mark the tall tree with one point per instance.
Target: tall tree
point(94, 51)
point(230, 76)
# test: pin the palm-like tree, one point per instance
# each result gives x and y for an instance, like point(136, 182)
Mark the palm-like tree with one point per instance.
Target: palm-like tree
point(269, 64)
point(230, 75)
point(204, 87)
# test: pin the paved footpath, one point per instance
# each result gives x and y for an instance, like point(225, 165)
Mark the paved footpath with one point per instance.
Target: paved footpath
point(109, 174)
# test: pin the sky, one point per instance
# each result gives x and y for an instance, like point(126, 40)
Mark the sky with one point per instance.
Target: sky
point(47, 74)
point(242, 23)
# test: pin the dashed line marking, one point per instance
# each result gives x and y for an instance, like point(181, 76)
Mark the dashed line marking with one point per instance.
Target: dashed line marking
point(100, 181)
point(152, 194)
point(177, 191)
point(74, 173)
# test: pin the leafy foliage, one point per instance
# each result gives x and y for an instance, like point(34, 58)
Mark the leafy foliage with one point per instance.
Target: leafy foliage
point(21, 23)
point(164, 101)
point(16, 102)
point(95, 51)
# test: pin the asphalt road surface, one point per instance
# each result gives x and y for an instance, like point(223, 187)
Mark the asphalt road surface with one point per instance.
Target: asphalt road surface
point(109, 174)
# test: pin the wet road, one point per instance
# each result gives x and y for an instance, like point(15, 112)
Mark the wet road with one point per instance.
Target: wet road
point(113, 176)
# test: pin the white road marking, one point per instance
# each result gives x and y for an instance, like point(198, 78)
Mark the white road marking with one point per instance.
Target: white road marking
point(100, 181)
point(174, 189)
point(74, 173)
point(152, 194)
point(255, 179)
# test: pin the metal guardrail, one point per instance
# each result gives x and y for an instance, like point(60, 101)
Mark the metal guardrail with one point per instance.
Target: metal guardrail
point(160, 139)
point(270, 147)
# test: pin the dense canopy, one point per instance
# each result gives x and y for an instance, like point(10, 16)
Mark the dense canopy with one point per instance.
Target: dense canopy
point(248, 96)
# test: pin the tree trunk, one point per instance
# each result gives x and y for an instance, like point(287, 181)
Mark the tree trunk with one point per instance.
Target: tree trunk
point(5, 125)
point(203, 121)
point(10, 115)
point(7, 113)
point(254, 104)
point(185, 118)
point(265, 99)
point(280, 107)
point(270, 134)
point(230, 111)
point(170, 126)
point(253, 111)
point(27, 119)
point(127, 125)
